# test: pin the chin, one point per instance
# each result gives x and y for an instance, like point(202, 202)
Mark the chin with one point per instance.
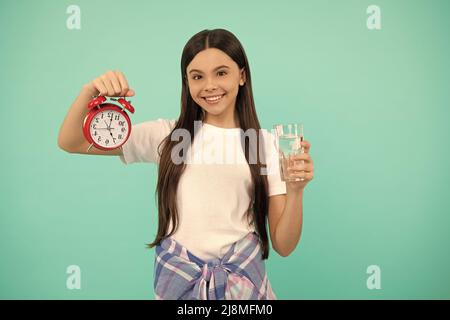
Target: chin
point(213, 111)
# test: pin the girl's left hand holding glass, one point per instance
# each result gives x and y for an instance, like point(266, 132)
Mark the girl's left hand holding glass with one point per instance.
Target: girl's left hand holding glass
point(301, 166)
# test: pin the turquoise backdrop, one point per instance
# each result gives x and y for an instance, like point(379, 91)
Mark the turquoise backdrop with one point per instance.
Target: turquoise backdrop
point(375, 105)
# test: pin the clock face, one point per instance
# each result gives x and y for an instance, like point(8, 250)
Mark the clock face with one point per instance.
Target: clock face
point(109, 129)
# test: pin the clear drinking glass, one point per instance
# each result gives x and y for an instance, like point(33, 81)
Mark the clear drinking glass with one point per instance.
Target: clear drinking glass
point(287, 142)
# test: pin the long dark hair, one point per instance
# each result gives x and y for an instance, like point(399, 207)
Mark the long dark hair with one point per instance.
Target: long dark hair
point(169, 173)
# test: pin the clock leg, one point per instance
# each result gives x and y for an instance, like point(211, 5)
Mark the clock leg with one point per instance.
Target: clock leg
point(89, 148)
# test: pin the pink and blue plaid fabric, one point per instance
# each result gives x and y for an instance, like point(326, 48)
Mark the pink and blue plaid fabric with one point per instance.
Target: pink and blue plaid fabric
point(239, 275)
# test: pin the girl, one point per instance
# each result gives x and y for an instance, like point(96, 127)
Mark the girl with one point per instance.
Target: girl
point(212, 239)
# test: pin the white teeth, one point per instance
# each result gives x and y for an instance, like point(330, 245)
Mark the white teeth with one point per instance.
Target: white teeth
point(213, 98)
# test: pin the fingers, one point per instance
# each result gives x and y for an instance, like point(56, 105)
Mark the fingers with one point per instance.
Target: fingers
point(107, 83)
point(306, 145)
point(113, 84)
point(302, 156)
point(300, 162)
point(124, 84)
point(101, 88)
point(305, 175)
point(301, 167)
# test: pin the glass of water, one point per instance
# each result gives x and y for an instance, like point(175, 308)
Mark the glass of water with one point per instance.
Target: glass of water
point(287, 142)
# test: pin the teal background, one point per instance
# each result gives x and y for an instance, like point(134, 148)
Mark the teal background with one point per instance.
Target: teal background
point(374, 104)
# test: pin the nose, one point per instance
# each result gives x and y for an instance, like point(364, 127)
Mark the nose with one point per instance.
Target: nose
point(210, 85)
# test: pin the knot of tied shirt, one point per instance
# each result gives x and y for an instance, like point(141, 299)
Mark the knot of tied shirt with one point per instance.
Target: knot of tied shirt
point(214, 271)
point(212, 278)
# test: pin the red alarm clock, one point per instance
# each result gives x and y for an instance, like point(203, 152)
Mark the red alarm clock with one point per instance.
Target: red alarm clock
point(107, 125)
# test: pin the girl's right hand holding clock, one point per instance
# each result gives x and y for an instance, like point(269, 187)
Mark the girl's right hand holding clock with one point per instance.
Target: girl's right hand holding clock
point(70, 137)
point(111, 84)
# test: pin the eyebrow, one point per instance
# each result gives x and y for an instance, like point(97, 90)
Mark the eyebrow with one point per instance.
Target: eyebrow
point(222, 66)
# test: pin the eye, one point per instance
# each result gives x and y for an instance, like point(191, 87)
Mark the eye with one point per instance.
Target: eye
point(198, 77)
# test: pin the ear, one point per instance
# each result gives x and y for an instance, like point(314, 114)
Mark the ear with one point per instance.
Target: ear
point(243, 77)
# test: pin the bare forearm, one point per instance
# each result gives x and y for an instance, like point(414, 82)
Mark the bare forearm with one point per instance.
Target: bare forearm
point(289, 227)
point(70, 133)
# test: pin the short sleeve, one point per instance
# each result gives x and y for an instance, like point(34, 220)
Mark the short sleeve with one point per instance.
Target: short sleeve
point(145, 137)
point(276, 185)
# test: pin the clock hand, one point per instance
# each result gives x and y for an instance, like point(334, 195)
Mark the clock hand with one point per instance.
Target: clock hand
point(114, 139)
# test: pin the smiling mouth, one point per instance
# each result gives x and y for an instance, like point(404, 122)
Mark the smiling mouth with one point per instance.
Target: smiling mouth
point(213, 99)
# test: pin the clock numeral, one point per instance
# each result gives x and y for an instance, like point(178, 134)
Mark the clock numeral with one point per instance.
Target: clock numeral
point(99, 138)
point(95, 133)
point(121, 123)
point(117, 117)
point(96, 120)
point(124, 129)
point(93, 126)
point(106, 141)
point(110, 115)
point(119, 136)
point(102, 115)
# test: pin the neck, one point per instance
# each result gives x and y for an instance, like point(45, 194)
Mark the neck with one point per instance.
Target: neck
point(224, 121)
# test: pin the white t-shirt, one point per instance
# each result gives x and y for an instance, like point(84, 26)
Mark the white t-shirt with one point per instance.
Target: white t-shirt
point(215, 190)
